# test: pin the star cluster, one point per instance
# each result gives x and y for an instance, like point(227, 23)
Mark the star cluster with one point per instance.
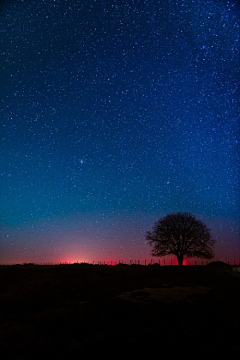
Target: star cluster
point(113, 114)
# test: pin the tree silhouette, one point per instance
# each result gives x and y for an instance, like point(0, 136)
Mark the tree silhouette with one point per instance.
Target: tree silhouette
point(181, 234)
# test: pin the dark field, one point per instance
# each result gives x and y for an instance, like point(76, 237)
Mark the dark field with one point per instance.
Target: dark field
point(134, 312)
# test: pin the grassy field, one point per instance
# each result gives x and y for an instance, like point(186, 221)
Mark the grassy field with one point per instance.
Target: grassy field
point(119, 312)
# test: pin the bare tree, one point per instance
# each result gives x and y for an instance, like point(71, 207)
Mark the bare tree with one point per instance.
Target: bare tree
point(181, 234)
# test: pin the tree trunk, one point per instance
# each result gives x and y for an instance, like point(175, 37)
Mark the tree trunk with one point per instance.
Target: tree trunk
point(180, 259)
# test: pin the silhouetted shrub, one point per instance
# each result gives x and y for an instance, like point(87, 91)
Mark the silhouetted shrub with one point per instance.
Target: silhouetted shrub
point(121, 264)
point(29, 264)
point(16, 264)
point(85, 264)
point(135, 265)
point(219, 264)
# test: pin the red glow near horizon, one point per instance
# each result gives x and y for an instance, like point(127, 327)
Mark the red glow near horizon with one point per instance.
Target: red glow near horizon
point(71, 257)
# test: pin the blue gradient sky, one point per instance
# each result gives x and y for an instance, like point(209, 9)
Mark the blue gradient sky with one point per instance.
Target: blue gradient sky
point(114, 114)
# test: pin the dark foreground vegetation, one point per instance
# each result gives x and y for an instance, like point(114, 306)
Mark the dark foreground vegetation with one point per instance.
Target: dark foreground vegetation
point(120, 312)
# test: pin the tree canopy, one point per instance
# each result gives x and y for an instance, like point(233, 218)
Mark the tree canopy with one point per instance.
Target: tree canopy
point(182, 235)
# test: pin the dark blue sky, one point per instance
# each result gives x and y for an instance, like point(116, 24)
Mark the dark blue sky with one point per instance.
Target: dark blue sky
point(113, 114)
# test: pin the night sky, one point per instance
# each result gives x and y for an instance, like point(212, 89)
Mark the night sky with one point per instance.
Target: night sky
point(114, 114)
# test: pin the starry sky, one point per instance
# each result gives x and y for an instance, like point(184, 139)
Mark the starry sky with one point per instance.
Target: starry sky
point(113, 114)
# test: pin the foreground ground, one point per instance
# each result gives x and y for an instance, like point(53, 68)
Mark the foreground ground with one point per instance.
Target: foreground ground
point(133, 312)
